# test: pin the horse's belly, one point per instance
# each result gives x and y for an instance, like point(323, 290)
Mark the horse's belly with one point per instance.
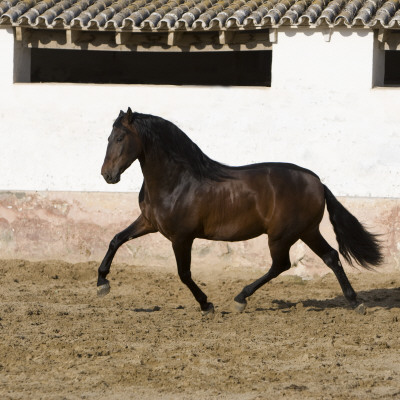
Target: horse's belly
point(236, 228)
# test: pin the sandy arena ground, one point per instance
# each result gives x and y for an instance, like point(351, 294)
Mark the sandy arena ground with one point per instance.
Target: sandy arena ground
point(147, 339)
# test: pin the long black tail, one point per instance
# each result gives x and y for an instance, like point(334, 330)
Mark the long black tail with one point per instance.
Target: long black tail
point(353, 239)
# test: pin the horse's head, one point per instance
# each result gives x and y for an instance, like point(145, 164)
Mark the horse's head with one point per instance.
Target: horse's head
point(124, 147)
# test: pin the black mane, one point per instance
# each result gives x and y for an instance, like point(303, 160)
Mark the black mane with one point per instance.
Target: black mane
point(163, 137)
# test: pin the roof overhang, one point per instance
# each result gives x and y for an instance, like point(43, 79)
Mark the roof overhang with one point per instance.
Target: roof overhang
point(197, 15)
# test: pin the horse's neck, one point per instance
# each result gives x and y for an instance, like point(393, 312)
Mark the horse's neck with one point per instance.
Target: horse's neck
point(161, 173)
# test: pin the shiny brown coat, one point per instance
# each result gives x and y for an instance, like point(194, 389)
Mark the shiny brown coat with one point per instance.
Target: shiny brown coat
point(186, 195)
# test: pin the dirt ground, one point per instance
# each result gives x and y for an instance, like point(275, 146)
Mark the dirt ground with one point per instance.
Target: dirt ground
point(148, 340)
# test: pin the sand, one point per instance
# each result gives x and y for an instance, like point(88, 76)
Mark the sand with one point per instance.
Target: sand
point(147, 339)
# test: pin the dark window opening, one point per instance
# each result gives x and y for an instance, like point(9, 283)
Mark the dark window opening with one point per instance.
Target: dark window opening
point(223, 68)
point(392, 68)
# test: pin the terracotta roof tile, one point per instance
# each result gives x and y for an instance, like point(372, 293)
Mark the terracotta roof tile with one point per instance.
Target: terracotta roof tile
point(169, 15)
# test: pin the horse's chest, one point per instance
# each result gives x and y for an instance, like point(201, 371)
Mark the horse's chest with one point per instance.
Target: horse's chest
point(166, 219)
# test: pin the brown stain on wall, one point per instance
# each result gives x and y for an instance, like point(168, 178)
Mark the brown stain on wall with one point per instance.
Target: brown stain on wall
point(78, 226)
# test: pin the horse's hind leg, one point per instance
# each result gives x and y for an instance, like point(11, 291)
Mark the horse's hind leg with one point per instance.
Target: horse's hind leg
point(316, 242)
point(182, 251)
point(138, 228)
point(280, 262)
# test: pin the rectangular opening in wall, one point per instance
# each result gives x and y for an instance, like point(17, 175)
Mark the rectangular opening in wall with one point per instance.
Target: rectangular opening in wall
point(392, 68)
point(219, 68)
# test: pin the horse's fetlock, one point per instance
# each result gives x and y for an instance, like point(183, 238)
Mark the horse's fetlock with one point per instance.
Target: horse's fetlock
point(351, 297)
point(240, 298)
point(102, 276)
point(246, 292)
point(207, 308)
point(102, 280)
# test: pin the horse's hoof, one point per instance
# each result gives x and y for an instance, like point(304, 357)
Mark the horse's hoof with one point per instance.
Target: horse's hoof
point(239, 307)
point(361, 309)
point(103, 290)
point(209, 311)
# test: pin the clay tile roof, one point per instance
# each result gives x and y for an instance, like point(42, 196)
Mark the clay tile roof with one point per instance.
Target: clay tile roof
point(200, 15)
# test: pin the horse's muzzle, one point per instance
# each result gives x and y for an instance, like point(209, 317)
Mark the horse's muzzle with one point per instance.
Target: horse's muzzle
point(109, 178)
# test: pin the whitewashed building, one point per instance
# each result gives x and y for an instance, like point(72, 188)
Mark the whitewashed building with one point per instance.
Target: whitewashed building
point(315, 83)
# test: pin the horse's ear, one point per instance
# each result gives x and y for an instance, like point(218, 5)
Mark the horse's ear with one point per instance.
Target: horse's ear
point(121, 114)
point(129, 114)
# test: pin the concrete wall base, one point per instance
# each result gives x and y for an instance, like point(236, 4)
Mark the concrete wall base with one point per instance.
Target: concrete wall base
point(78, 226)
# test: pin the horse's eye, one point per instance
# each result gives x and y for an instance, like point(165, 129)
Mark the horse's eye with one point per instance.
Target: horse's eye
point(119, 139)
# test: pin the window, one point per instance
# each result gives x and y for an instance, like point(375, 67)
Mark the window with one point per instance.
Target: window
point(392, 68)
point(218, 58)
point(225, 68)
point(387, 58)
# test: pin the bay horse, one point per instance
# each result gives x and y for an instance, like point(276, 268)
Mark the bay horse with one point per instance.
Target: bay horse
point(186, 195)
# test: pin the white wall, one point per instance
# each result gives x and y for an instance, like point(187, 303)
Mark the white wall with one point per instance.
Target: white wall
point(6, 58)
point(321, 112)
point(323, 61)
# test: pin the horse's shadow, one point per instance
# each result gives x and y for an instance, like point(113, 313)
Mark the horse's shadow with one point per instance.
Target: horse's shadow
point(382, 298)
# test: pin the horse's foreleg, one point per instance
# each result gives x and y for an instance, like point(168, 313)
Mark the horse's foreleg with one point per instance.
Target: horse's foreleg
point(182, 251)
point(280, 262)
point(138, 228)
